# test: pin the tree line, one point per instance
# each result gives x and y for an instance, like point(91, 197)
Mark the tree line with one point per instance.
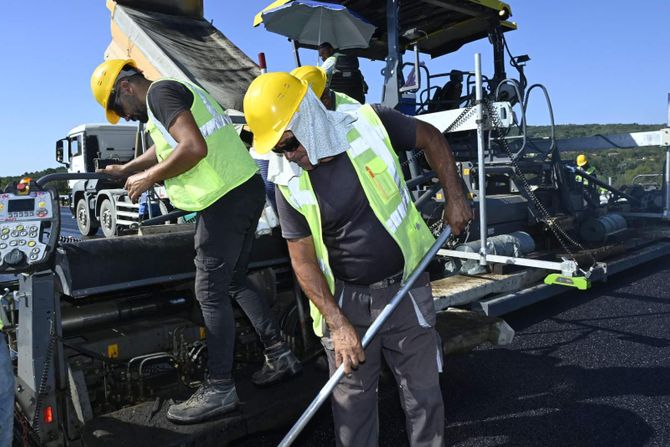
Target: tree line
point(622, 165)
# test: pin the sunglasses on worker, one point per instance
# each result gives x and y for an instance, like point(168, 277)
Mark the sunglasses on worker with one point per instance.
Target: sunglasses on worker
point(289, 146)
point(115, 104)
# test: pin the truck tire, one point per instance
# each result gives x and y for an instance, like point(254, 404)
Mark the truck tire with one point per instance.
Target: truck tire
point(108, 218)
point(86, 226)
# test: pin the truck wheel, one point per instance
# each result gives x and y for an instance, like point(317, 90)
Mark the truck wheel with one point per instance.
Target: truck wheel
point(84, 223)
point(108, 218)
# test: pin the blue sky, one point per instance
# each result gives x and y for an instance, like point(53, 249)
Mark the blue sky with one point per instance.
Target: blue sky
point(602, 61)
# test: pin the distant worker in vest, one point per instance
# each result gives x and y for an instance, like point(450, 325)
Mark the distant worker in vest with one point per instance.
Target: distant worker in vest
point(354, 235)
point(342, 72)
point(208, 170)
point(583, 164)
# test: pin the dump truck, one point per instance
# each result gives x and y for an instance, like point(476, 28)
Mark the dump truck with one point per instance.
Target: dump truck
point(106, 332)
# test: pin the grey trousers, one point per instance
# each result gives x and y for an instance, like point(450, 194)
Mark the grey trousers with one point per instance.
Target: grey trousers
point(409, 344)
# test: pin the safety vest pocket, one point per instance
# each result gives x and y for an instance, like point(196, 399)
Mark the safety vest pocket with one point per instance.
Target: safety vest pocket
point(381, 179)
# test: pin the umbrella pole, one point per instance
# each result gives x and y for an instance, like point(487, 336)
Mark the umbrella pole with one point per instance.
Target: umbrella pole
point(369, 335)
point(296, 55)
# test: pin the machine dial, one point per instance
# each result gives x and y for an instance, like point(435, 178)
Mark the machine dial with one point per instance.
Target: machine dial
point(15, 257)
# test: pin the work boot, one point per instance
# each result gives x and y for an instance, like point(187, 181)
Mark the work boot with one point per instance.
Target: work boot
point(213, 398)
point(280, 363)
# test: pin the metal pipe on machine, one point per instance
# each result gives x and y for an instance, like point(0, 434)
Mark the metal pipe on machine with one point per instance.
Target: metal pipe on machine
point(480, 159)
point(80, 318)
point(516, 244)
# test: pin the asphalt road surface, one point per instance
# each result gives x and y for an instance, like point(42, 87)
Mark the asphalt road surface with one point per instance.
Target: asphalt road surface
point(585, 369)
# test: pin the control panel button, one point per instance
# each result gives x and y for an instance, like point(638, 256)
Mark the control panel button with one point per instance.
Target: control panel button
point(19, 227)
point(23, 233)
point(4, 236)
point(5, 230)
point(35, 250)
point(31, 243)
point(42, 204)
point(33, 228)
point(15, 234)
point(33, 257)
point(13, 243)
point(22, 242)
point(3, 246)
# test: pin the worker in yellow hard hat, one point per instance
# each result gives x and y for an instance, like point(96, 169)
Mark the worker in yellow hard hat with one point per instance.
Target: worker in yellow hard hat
point(583, 164)
point(354, 232)
point(206, 169)
point(317, 80)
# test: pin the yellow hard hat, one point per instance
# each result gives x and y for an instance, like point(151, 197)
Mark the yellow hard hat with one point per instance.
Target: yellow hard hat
point(269, 104)
point(315, 76)
point(581, 160)
point(103, 81)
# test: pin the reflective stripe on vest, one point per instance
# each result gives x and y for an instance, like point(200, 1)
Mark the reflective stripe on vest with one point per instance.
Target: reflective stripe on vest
point(226, 165)
point(378, 170)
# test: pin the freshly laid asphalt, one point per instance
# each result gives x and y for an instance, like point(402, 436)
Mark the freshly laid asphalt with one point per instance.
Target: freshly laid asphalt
point(585, 369)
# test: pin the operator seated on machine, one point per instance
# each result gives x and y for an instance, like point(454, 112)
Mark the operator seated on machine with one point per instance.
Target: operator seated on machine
point(354, 235)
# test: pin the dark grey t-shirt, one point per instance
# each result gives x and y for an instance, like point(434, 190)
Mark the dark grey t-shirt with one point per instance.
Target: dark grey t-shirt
point(168, 99)
point(360, 249)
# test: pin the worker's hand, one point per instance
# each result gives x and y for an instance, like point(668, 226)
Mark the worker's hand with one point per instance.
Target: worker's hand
point(347, 345)
point(137, 184)
point(457, 213)
point(117, 171)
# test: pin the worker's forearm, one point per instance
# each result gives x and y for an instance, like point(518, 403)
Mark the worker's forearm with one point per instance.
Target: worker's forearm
point(442, 161)
point(315, 286)
point(141, 163)
point(180, 160)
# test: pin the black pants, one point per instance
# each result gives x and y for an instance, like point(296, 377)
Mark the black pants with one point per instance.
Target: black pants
point(223, 236)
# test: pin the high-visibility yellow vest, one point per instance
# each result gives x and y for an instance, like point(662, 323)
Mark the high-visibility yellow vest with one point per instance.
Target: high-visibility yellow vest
point(226, 166)
point(342, 99)
point(584, 181)
point(380, 174)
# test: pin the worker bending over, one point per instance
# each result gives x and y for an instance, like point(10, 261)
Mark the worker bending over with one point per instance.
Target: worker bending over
point(206, 168)
point(354, 235)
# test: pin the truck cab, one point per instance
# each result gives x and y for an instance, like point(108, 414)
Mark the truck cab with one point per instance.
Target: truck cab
point(99, 203)
point(89, 146)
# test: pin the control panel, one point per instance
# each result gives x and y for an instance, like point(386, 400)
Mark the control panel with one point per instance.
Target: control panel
point(27, 227)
